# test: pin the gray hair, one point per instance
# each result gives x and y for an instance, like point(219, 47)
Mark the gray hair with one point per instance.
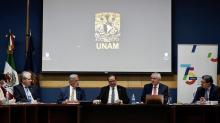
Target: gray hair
point(156, 75)
point(26, 75)
point(72, 76)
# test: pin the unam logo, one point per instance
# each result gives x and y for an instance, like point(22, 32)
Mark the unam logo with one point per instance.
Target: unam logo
point(107, 30)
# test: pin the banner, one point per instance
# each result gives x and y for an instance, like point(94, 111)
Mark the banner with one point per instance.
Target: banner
point(194, 61)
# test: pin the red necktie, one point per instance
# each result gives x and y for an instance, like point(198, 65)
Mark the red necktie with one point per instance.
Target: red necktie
point(154, 90)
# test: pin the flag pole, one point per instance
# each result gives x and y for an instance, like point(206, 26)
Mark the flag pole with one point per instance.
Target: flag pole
point(27, 26)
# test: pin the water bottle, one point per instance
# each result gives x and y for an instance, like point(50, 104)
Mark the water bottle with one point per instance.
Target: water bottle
point(7, 98)
point(169, 101)
point(133, 99)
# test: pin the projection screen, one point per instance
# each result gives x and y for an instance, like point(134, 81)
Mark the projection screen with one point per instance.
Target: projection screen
point(106, 36)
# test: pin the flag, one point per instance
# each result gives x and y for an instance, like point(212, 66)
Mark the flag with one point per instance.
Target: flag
point(30, 61)
point(29, 56)
point(10, 66)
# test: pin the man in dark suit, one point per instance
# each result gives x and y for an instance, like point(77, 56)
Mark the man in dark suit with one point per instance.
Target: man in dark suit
point(155, 88)
point(113, 93)
point(25, 92)
point(207, 91)
point(72, 93)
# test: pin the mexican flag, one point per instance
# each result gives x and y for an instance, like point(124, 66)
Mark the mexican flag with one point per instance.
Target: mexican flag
point(10, 66)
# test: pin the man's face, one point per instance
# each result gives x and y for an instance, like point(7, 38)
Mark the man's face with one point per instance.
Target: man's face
point(204, 84)
point(27, 81)
point(74, 82)
point(154, 80)
point(112, 81)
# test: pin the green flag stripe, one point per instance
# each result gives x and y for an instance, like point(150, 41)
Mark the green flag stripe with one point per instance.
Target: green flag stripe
point(11, 61)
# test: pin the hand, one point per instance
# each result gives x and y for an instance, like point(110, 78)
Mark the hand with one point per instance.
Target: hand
point(119, 101)
point(74, 101)
point(70, 101)
point(202, 100)
point(12, 101)
point(96, 101)
point(34, 102)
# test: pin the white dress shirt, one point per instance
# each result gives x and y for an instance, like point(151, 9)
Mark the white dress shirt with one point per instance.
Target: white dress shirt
point(110, 94)
point(70, 94)
point(157, 89)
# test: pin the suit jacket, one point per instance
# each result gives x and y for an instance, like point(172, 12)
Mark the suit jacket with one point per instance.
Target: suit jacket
point(122, 94)
point(65, 93)
point(214, 94)
point(20, 96)
point(163, 90)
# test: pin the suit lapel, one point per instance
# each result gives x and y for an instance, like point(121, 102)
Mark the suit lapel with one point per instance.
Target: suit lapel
point(23, 91)
point(119, 92)
point(68, 92)
point(31, 91)
point(150, 89)
point(77, 93)
point(211, 92)
point(160, 89)
point(107, 93)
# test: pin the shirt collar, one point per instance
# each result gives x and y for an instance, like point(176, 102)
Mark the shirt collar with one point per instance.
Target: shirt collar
point(24, 86)
point(113, 87)
point(157, 86)
point(71, 87)
point(209, 88)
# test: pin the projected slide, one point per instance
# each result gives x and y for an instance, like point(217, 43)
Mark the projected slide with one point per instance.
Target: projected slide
point(106, 36)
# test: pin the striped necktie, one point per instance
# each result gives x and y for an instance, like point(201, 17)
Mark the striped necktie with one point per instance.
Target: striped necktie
point(113, 95)
point(28, 94)
point(72, 95)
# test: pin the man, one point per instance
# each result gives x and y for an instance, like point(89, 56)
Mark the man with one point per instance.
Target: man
point(113, 93)
point(25, 92)
point(207, 91)
point(155, 88)
point(72, 93)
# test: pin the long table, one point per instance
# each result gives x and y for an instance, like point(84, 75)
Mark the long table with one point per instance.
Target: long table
point(141, 113)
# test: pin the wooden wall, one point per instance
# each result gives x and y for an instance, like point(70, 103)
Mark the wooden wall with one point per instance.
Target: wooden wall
point(96, 81)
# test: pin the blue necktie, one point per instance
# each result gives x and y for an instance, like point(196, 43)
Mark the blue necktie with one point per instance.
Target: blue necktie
point(206, 95)
point(28, 94)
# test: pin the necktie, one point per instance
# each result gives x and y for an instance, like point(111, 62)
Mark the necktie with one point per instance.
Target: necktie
point(206, 95)
point(72, 95)
point(28, 94)
point(113, 95)
point(154, 90)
